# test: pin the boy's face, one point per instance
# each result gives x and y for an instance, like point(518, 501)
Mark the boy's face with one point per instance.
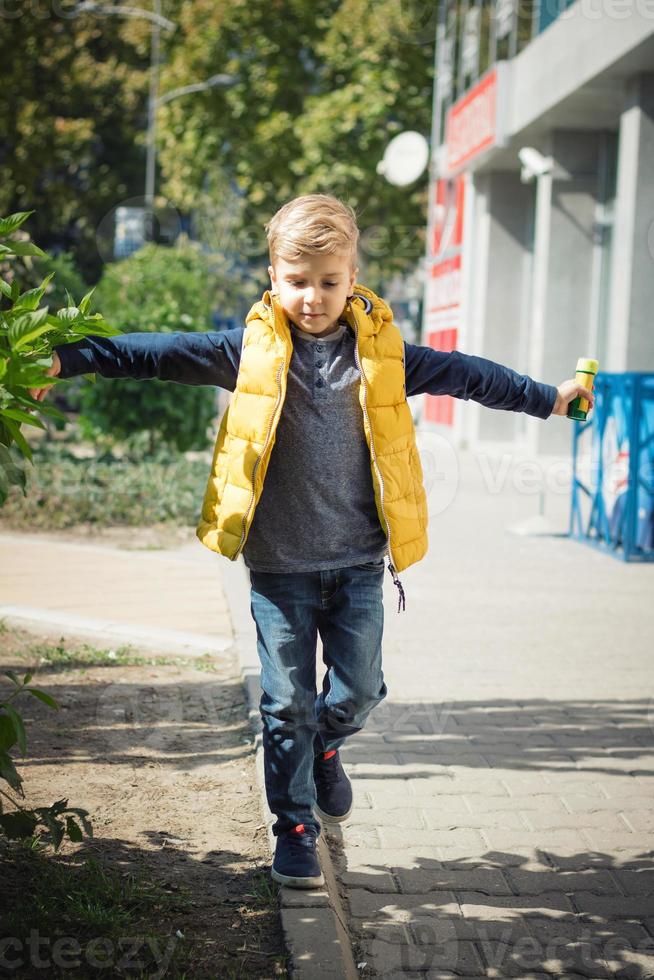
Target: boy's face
point(313, 290)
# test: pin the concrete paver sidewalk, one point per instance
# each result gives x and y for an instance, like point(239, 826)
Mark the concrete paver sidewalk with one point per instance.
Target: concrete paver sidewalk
point(503, 822)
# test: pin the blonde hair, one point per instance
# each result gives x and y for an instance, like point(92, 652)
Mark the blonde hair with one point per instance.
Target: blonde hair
point(313, 223)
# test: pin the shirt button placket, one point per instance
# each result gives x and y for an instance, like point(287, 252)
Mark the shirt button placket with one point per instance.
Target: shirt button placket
point(319, 363)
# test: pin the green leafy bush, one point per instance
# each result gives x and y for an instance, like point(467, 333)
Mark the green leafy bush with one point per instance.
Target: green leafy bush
point(21, 822)
point(165, 290)
point(64, 491)
point(28, 332)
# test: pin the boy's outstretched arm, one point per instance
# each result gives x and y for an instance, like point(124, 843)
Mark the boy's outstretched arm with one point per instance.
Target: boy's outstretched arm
point(195, 358)
point(433, 372)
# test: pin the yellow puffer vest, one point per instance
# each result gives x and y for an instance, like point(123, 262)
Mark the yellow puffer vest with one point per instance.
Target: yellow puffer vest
point(247, 432)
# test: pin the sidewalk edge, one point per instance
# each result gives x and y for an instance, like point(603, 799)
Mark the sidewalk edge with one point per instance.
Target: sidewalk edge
point(313, 921)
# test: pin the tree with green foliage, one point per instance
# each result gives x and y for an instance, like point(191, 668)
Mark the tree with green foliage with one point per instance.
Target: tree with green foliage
point(72, 135)
point(321, 89)
point(156, 289)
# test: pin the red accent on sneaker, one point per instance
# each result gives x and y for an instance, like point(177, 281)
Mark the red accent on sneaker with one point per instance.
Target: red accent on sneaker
point(328, 755)
point(299, 829)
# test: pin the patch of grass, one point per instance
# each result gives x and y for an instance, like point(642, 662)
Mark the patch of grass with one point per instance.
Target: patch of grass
point(96, 914)
point(55, 657)
point(264, 889)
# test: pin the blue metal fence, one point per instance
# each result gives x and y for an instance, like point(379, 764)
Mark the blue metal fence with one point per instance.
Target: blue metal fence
point(613, 507)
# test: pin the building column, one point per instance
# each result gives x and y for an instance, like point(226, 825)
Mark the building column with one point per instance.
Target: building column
point(501, 259)
point(631, 334)
point(561, 325)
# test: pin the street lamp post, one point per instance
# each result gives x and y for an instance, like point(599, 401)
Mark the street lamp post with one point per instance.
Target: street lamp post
point(158, 22)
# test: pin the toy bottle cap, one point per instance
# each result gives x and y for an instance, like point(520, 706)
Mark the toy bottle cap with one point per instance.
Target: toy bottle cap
point(587, 364)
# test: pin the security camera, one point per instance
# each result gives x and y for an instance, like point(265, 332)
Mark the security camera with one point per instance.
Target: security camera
point(534, 164)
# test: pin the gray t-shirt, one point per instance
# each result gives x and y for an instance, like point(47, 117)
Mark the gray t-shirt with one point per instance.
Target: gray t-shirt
point(317, 509)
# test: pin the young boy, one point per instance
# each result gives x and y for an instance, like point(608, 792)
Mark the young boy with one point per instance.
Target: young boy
point(315, 480)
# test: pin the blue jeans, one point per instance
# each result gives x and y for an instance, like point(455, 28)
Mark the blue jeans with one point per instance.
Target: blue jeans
point(344, 606)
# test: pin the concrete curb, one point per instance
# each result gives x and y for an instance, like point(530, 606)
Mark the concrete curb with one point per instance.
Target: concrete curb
point(112, 632)
point(314, 924)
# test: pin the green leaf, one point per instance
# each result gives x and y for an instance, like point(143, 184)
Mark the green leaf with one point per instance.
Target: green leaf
point(42, 696)
point(68, 313)
point(86, 302)
point(7, 733)
point(19, 727)
point(31, 299)
point(18, 825)
point(8, 772)
point(14, 221)
point(20, 416)
point(13, 677)
point(27, 326)
point(19, 438)
point(5, 288)
point(24, 248)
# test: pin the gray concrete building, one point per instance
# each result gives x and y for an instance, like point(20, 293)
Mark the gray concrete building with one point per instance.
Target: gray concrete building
point(541, 222)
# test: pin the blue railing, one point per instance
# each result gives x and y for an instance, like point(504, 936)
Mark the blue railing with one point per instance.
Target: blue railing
point(612, 507)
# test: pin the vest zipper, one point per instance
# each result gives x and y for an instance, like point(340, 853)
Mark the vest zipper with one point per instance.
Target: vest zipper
point(401, 602)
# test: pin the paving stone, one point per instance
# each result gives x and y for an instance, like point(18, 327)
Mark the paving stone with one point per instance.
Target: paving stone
point(400, 817)
point(581, 784)
point(406, 757)
point(541, 840)
point(488, 880)
point(421, 956)
point(372, 881)
point(450, 804)
point(503, 819)
point(574, 859)
point(549, 820)
point(403, 908)
point(519, 856)
point(619, 841)
point(478, 802)
point(583, 803)
point(488, 906)
point(640, 820)
point(470, 841)
point(450, 784)
point(615, 906)
point(636, 882)
point(534, 883)
point(364, 859)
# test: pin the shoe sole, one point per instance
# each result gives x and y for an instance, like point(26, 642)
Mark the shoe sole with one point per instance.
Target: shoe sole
point(292, 882)
point(330, 817)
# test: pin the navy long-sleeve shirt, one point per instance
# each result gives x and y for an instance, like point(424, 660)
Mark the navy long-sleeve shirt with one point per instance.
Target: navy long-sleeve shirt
point(317, 508)
point(213, 358)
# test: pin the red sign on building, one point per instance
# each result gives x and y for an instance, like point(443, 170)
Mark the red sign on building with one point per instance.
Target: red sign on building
point(472, 123)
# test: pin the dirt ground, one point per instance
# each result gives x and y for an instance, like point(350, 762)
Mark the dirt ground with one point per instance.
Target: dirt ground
point(161, 755)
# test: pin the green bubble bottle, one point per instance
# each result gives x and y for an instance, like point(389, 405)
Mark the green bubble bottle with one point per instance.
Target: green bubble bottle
point(585, 375)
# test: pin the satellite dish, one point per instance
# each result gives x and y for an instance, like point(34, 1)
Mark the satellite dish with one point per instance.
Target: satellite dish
point(405, 158)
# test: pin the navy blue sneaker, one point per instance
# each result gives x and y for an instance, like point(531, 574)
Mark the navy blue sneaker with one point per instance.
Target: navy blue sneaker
point(295, 863)
point(333, 788)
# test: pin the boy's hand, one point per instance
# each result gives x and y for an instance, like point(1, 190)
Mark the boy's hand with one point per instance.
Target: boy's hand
point(567, 391)
point(39, 393)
